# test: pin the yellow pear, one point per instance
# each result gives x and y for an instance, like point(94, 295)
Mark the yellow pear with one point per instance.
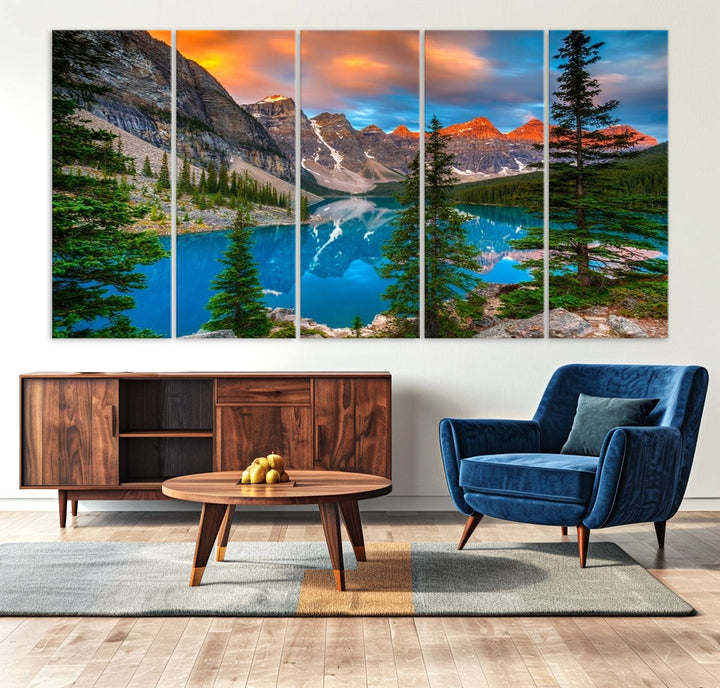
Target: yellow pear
point(245, 476)
point(272, 477)
point(257, 473)
point(276, 462)
point(262, 461)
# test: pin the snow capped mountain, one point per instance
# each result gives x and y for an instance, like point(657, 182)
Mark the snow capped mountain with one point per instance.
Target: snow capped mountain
point(351, 160)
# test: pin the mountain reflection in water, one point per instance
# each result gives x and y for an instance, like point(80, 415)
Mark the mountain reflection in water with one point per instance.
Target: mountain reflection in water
point(340, 249)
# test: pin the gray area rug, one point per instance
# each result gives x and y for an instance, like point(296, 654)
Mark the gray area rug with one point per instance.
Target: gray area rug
point(281, 579)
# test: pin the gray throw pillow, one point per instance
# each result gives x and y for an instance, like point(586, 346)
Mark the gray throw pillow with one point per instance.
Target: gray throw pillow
point(596, 416)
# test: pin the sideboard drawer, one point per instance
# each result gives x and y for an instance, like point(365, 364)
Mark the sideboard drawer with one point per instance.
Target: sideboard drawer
point(264, 390)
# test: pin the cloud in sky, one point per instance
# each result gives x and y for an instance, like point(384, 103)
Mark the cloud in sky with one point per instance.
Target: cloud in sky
point(633, 69)
point(249, 64)
point(370, 76)
point(493, 74)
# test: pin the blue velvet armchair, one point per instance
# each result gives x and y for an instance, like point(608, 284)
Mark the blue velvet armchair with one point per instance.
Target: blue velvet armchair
point(515, 470)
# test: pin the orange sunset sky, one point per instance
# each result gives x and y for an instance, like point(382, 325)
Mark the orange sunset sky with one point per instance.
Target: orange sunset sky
point(249, 64)
point(371, 76)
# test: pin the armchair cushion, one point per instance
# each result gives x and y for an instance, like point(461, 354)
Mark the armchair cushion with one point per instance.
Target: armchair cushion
point(596, 416)
point(550, 477)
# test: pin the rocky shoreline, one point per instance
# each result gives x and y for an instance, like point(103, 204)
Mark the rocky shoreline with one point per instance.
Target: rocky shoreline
point(562, 324)
point(310, 329)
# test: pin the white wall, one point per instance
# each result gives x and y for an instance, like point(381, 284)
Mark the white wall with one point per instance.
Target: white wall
point(432, 379)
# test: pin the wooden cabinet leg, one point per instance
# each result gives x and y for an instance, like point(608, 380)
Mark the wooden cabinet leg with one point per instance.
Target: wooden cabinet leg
point(62, 505)
point(73, 507)
point(351, 515)
point(210, 519)
point(224, 534)
point(330, 517)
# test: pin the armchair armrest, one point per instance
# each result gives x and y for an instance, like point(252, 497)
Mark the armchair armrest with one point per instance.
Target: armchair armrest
point(461, 438)
point(637, 478)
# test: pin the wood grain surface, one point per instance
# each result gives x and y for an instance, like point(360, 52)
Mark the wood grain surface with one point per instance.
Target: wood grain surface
point(247, 432)
point(311, 487)
point(69, 432)
point(552, 652)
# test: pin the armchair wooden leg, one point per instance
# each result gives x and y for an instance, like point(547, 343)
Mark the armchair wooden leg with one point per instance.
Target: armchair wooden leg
point(563, 530)
point(660, 532)
point(583, 535)
point(470, 525)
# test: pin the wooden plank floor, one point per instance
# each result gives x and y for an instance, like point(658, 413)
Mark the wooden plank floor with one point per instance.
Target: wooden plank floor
point(373, 652)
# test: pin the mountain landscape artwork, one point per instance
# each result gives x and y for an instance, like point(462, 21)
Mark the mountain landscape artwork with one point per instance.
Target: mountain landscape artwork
point(111, 134)
point(236, 183)
point(483, 115)
point(359, 140)
point(491, 261)
point(608, 262)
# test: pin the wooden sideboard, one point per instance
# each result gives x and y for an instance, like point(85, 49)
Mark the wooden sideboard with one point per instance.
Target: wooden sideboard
point(119, 435)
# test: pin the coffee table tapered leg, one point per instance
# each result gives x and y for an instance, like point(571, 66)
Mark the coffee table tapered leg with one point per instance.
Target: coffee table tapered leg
point(353, 525)
point(330, 517)
point(224, 534)
point(210, 520)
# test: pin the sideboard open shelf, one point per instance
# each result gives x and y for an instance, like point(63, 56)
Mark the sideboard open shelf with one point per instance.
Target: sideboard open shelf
point(165, 429)
point(120, 435)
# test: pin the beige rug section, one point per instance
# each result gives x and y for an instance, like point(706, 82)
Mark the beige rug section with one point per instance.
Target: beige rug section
point(381, 586)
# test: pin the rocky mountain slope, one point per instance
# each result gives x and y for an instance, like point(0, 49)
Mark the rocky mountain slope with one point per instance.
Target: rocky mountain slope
point(134, 71)
point(212, 126)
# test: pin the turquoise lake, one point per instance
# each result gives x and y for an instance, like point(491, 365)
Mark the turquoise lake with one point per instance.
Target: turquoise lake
point(339, 253)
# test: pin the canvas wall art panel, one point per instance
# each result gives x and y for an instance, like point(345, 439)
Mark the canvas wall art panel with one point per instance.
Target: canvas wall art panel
point(236, 183)
point(111, 134)
point(608, 262)
point(360, 176)
point(483, 183)
point(478, 183)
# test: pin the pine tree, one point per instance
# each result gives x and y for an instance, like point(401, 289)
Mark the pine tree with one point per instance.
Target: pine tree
point(146, 169)
point(212, 178)
point(223, 185)
point(239, 304)
point(94, 254)
point(304, 208)
point(185, 185)
point(163, 180)
point(450, 260)
point(597, 227)
point(356, 327)
point(401, 258)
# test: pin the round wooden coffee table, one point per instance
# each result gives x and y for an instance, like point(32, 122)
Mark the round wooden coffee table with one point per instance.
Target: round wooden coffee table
point(334, 492)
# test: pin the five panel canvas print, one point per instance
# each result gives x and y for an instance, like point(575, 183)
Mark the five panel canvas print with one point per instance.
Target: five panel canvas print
point(453, 234)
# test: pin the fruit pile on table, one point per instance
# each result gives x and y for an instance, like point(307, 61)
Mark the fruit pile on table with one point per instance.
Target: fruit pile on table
point(268, 469)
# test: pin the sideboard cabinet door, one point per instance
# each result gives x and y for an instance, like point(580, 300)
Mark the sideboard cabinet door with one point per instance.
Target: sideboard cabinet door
point(69, 429)
point(352, 425)
point(246, 432)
